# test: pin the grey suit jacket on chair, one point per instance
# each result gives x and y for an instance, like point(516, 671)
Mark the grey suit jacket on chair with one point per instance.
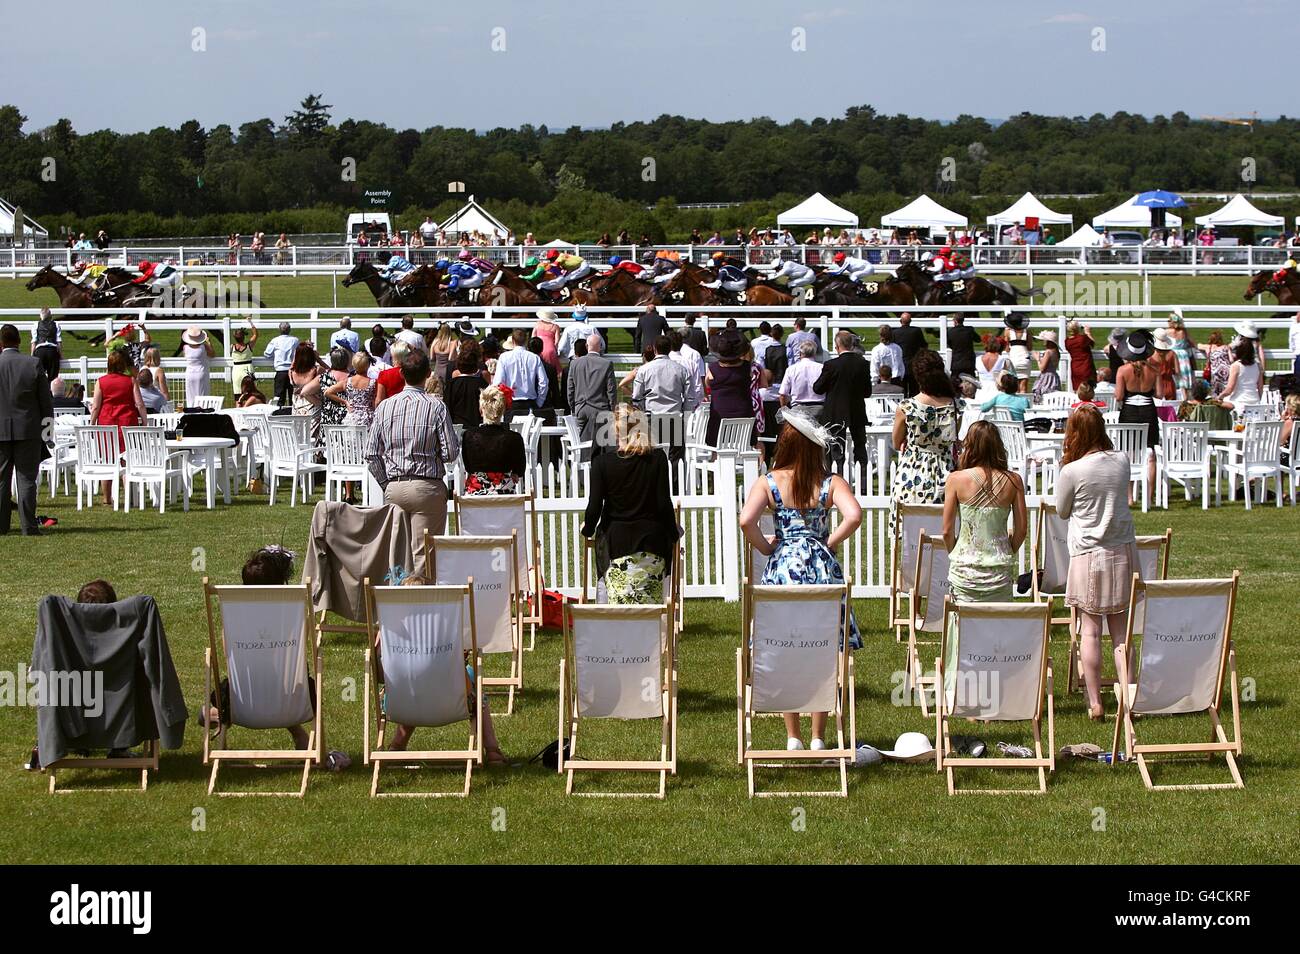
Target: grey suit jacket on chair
point(25, 403)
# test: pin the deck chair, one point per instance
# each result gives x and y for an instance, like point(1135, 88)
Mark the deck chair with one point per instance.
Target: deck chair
point(415, 675)
point(912, 520)
point(794, 657)
point(500, 515)
point(995, 667)
point(925, 612)
point(267, 634)
point(1185, 658)
point(616, 665)
point(1050, 560)
point(499, 601)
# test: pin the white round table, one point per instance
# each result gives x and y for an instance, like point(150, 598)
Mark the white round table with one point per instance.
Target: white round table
point(211, 448)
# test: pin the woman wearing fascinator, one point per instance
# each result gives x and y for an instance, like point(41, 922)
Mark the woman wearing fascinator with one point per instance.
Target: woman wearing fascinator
point(801, 491)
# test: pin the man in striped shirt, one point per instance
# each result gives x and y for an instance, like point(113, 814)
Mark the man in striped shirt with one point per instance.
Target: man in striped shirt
point(411, 442)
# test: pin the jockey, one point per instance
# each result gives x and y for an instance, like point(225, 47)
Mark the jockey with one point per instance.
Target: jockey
point(156, 276)
point(718, 259)
point(730, 277)
point(482, 264)
point(572, 270)
point(394, 267)
point(1279, 276)
point(620, 264)
point(93, 278)
point(851, 268)
point(793, 274)
point(667, 263)
point(942, 266)
point(460, 274)
point(533, 269)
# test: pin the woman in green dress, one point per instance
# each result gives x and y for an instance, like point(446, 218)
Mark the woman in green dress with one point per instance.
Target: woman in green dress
point(984, 524)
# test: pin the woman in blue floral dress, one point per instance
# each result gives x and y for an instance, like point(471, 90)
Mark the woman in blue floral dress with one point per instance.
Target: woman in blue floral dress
point(925, 432)
point(801, 492)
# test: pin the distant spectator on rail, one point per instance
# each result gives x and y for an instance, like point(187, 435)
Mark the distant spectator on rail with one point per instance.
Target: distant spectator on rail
point(282, 246)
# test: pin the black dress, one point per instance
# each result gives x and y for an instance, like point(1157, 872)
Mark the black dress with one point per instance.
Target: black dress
point(462, 399)
point(1144, 413)
point(493, 448)
point(630, 509)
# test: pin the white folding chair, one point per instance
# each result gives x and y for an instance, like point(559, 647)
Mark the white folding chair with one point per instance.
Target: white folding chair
point(267, 635)
point(290, 459)
point(504, 515)
point(1263, 411)
point(617, 665)
point(995, 667)
point(1183, 457)
point(1021, 459)
point(1291, 467)
point(1131, 440)
point(794, 657)
point(1058, 400)
point(345, 458)
point(420, 638)
point(1260, 459)
point(571, 442)
point(529, 427)
point(210, 402)
point(149, 466)
point(1000, 414)
point(500, 605)
point(99, 459)
point(1185, 658)
point(911, 521)
point(925, 612)
point(61, 462)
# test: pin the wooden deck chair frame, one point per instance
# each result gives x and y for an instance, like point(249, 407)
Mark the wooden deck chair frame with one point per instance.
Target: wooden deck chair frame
point(915, 680)
point(1162, 543)
point(1126, 692)
point(374, 753)
point(898, 588)
point(215, 656)
point(1038, 564)
point(518, 605)
point(587, 593)
point(533, 552)
point(845, 700)
point(569, 762)
point(1042, 762)
point(144, 764)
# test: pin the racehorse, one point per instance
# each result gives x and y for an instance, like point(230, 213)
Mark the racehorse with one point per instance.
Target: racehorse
point(506, 288)
point(833, 290)
point(969, 291)
point(617, 287)
point(73, 295)
point(423, 288)
point(1287, 291)
point(687, 287)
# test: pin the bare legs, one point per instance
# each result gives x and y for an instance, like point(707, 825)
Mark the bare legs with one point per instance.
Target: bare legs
point(1090, 653)
point(793, 730)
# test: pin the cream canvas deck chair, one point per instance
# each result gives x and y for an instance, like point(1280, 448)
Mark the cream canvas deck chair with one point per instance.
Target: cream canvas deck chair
point(499, 515)
point(267, 635)
point(416, 676)
point(616, 665)
point(1185, 657)
point(1050, 560)
point(995, 667)
point(499, 601)
point(913, 519)
point(794, 657)
point(925, 612)
point(1153, 564)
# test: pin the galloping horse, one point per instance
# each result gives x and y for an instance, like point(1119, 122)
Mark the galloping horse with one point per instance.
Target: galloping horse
point(972, 291)
point(424, 283)
point(617, 287)
point(1287, 291)
point(505, 288)
point(687, 287)
point(73, 295)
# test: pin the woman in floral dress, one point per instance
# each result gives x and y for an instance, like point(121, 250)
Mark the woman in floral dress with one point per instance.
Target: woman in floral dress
point(925, 433)
point(803, 550)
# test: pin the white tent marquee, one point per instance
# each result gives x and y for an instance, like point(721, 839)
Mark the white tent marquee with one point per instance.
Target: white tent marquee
point(817, 210)
point(1239, 211)
point(924, 213)
point(1085, 236)
point(1028, 206)
point(474, 218)
point(1130, 216)
point(31, 228)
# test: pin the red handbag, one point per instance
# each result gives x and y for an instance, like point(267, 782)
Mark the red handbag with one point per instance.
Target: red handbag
point(553, 608)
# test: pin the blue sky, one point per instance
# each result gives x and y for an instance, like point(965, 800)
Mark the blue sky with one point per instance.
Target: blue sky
point(418, 64)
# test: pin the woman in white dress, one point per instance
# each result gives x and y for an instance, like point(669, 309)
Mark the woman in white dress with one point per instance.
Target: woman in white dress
point(990, 367)
point(1245, 377)
point(1019, 348)
point(197, 348)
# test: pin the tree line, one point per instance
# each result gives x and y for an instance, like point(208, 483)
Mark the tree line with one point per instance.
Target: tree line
point(300, 173)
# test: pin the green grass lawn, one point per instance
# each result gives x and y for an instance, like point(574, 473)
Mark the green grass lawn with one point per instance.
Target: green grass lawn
point(897, 813)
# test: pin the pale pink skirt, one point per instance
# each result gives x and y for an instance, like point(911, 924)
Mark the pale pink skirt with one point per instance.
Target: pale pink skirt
point(1101, 581)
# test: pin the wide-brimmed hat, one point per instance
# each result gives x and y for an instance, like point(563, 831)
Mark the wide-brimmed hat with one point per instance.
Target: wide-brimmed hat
point(1048, 335)
point(1116, 334)
point(1015, 321)
point(547, 314)
point(730, 343)
point(1246, 329)
point(1162, 340)
point(1136, 346)
point(807, 425)
point(194, 335)
point(911, 747)
point(466, 327)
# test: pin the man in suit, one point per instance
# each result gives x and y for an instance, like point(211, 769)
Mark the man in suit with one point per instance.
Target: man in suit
point(961, 342)
point(845, 380)
point(649, 327)
point(592, 395)
point(695, 337)
point(911, 341)
point(25, 412)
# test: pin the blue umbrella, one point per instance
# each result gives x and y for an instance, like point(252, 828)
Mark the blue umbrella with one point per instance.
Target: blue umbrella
point(1160, 199)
